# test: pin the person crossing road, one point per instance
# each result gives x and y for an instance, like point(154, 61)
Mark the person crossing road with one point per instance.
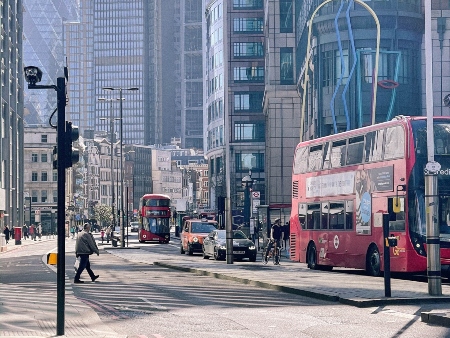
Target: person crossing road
point(84, 247)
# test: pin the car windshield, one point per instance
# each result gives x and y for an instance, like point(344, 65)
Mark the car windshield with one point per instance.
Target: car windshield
point(134, 224)
point(222, 234)
point(199, 227)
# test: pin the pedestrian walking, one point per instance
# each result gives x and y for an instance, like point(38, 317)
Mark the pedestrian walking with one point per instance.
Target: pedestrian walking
point(102, 234)
point(32, 232)
point(84, 247)
point(25, 231)
point(39, 231)
point(6, 232)
point(72, 231)
point(108, 234)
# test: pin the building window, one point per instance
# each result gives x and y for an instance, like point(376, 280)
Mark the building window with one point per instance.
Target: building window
point(44, 196)
point(248, 25)
point(247, 4)
point(249, 132)
point(249, 74)
point(34, 196)
point(248, 49)
point(286, 66)
point(249, 161)
point(34, 176)
point(327, 68)
point(34, 157)
point(43, 157)
point(55, 176)
point(44, 176)
point(55, 196)
point(251, 101)
point(286, 16)
point(44, 138)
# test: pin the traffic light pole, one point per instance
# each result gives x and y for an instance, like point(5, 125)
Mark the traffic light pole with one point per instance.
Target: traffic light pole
point(61, 266)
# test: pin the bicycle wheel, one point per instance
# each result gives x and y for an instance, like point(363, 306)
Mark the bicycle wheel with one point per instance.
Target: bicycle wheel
point(276, 257)
point(263, 257)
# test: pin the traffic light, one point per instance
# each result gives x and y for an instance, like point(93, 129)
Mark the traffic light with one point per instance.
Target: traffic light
point(55, 157)
point(70, 135)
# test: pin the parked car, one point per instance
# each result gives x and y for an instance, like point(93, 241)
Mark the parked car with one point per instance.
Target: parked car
point(194, 231)
point(214, 245)
point(134, 226)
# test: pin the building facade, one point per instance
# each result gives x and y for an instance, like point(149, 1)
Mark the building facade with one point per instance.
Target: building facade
point(234, 91)
point(40, 179)
point(342, 86)
point(281, 100)
point(11, 115)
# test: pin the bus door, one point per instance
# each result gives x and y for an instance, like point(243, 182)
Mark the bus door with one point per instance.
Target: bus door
point(397, 228)
point(444, 225)
point(336, 245)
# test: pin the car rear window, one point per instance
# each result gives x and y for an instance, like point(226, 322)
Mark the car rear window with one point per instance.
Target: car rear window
point(199, 227)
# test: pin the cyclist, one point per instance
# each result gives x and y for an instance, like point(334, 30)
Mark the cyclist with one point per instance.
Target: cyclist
point(276, 235)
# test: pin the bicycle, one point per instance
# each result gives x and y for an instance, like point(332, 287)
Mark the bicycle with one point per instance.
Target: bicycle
point(274, 254)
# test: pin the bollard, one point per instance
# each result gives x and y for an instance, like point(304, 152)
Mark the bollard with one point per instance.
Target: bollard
point(52, 258)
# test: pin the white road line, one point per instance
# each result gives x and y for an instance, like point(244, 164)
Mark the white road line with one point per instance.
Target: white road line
point(155, 305)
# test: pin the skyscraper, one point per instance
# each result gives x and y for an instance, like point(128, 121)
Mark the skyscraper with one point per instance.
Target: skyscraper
point(11, 116)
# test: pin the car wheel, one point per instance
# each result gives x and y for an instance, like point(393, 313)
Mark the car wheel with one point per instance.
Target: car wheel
point(312, 257)
point(181, 249)
point(190, 251)
point(216, 255)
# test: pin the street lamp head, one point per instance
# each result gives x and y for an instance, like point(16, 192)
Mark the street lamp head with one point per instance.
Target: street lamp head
point(247, 181)
point(33, 74)
point(119, 88)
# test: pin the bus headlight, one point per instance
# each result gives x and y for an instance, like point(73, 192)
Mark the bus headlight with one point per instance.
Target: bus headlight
point(194, 239)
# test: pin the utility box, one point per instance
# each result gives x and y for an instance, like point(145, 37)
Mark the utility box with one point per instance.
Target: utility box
point(18, 235)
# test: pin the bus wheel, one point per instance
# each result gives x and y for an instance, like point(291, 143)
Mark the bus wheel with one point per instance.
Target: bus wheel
point(311, 257)
point(373, 262)
point(181, 249)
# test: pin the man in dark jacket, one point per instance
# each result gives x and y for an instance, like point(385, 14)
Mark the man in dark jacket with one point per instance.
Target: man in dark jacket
point(6, 232)
point(84, 247)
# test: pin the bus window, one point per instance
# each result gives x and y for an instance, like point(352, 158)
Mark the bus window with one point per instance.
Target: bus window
point(337, 218)
point(324, 222)
point(302, 215)
point(338, 153)
point(301, 160)
point(373, 150)
point(313, 216)
point(355, 150)
point(394, 143)
point(315, 158)
point(349, 215)
point(326, 155)
point(444, 210)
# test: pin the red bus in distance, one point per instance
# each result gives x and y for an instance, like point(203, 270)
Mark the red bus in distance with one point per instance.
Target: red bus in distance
point(154, 216)
point(343, 184)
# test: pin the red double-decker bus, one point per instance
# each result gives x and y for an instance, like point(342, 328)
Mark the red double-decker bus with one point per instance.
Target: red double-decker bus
point(154, 216)
point(343, 184)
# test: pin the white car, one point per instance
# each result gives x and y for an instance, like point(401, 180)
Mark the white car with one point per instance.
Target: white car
point(134, 226)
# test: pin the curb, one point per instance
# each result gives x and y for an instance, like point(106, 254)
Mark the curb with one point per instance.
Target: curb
point(360, 303)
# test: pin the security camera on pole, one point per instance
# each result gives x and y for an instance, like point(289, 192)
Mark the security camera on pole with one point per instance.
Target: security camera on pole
point(65, 157)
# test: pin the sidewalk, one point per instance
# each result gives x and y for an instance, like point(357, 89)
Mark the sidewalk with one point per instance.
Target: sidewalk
point(31, 312)
point(341, 285)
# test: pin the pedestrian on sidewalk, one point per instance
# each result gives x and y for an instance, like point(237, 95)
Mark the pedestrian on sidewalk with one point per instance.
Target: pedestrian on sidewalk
point(84, 247)
point(102, 234)
point(25, 231)
point(32, 232)
point(72, 231)
point(6, 232)
point(39, 231)
point(108, 234)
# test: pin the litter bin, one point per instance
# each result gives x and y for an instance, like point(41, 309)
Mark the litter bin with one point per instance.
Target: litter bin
point(114, 242)
point(18, 235)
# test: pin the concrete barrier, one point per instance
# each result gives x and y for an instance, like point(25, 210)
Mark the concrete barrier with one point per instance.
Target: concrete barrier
point(52, 258)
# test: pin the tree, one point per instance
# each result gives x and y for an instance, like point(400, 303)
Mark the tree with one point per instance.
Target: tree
point(103, 214)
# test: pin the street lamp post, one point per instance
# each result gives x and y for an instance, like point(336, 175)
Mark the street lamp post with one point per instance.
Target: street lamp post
point(111, 128)
point(247, 183)
point(122, 225)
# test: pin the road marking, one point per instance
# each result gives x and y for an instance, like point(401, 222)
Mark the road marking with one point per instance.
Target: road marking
point(155, 305)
